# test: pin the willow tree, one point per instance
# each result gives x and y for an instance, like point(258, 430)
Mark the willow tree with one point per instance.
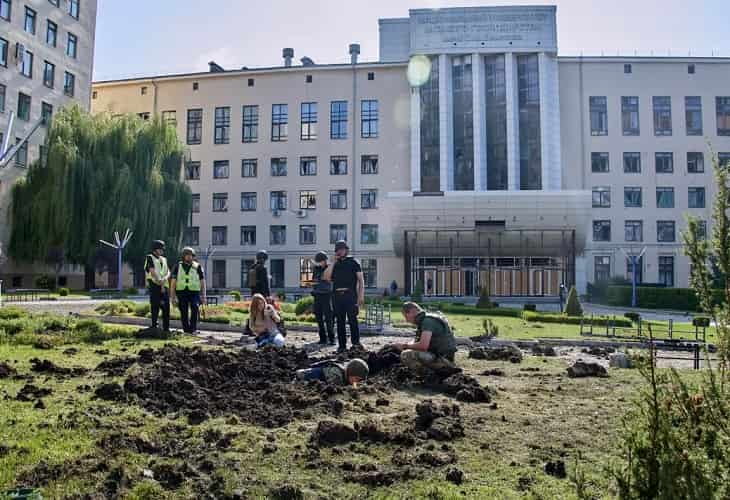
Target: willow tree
point(101, 174)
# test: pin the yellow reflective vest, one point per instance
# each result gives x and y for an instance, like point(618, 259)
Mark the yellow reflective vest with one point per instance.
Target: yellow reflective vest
point(188, 280)
point(160, 264)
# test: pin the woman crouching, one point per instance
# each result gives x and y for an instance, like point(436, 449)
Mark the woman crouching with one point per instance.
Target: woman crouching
point(262, 322)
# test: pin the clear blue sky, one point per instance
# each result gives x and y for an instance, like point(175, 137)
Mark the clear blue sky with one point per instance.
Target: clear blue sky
point(148, 37)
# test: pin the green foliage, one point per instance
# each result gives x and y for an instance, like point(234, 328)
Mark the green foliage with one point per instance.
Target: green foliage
point(63, 292)
point(287, 307)
point(529, 307)
point(544, 317)
point(417, 295)
point(680, 299)
point(12, 313)
point(53, 330)
point(141, 310)
point(236, 295)
point(490, 328)
point(304, 305)
point(116, 308)
point(475, 311)
point(484, 302)
point(131, 290)
point(701, 321)
point(634, 317)
point(597, 292)
point(572, 305)
point(102, 174)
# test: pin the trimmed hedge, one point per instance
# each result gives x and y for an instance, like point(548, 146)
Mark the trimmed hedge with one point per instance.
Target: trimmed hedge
point(476, 311)
point(574, 320)
point(682, 299)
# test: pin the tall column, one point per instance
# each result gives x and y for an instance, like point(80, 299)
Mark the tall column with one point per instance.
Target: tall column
point(415, 139)
point(446, 163)
point(513, 122)
point(550, 122)
point(480, 132)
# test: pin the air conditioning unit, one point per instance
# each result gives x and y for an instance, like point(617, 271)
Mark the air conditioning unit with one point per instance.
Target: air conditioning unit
point(301, 214)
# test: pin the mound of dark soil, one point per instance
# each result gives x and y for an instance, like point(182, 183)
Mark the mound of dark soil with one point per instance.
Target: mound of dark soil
point(464, 388)
point(543, 350)
point(439, 422)
point(71, 351)
point(455, 475)
point(584, 369)
point(48, 367)
point(154, 333)
point(556, 469)
point(330, 433)
point(117, 366)
point(507, 352)
point(30, 392)
point(6, 370)
point(110, 392)
point(286, 492)
point(598, 351)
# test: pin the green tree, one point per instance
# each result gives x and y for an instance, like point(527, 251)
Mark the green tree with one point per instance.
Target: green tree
point(103, 174)
point(572, 305)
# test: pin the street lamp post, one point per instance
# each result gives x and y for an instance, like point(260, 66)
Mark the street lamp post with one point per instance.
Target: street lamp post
point(118, 245)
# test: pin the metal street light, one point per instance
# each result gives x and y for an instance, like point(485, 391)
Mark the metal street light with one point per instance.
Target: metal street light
point(118, 245)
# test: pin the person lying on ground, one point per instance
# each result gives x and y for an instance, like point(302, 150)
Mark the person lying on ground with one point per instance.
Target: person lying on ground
point(262, 322)
point(432, 352)
point(350, 373)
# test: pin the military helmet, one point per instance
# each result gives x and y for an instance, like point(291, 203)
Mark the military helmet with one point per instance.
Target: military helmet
point(188, 251)
point(320, 257)
point(357, 368)
point(340, 245)
point(262, 255)
point(158, 245)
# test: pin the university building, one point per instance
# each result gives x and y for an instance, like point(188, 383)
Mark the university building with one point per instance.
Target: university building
point(46, 59)
point(470, 155)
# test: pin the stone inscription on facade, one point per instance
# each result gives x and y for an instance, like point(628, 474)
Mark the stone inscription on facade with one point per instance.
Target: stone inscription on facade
point(482, 28)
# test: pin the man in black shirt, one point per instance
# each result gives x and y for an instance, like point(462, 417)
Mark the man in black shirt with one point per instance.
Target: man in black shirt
point(258, 275)
point(346, 276)
point(187, 289)
point(322, 292)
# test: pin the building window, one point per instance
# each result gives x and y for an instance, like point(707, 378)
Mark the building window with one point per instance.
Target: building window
point(277, 200)
point(723, 160)
point(599, 115)
point(4, 52)
point(338, 232)
point(601, 230)
point(632, 163)
point(196, 86)
point(630, 115)
point(307, 234)
point(278, 167)
point(246, 264)
point(23, 106)
point(371, 76)
point(277, 235)
point(696, 197)
point(219, 273)
point(279, 122)
point(664, 163)
point(2, 98)
point(307, 200)
point(51, 33)
point(369, 234)
point(192, 171)
point(195, 126)
point(73, 8)
point(94, 94)
point(665, 232)
point(693, 115)
point(602, 268)
point(222, 134)
point(69, 84)
point(308, 121)
point(599, 163)
point(220, 236)
point(338, 165)
point(191, 236)
point(601, 197)
point(250, 123)
point(29, 25)
point(666, 270)
point(695, 163)
point(702, 229)
point(306, 272)
point(528, 90)
point(46, 113)
point(21, 157)
point(221, 169)
point(370, 272)
point(5, 9)
point(369, 118)
point(368, 199)
point(249, 167)
point(248, 202)
point(338, 120)
point(665, 197)
point(338, 199)
point(170, 118)
point(71, 45)
point(220, 202)
point(369, 164)
point(632, 197)
point(250, 82)
point(722, 105)
point(634, 231)
point(144, 115)
point(662, 115)
point(195, 206)
point(26, 64)
point(248, 236)
point(462, 92)
point(49, 74)
point(628, 69)
point(308, 165)
point(691, 69)
point(496, 122)
point(276, 268)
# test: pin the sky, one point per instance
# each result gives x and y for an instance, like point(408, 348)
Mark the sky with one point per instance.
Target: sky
point(151, 37)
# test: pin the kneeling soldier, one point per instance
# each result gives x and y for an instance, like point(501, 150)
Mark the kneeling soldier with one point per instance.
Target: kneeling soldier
point(188, 289)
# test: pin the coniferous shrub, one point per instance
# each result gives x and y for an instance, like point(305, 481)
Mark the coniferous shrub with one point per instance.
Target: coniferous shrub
point(572, 305)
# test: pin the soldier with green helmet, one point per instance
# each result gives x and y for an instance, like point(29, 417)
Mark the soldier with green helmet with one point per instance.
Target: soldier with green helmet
point(187, 289)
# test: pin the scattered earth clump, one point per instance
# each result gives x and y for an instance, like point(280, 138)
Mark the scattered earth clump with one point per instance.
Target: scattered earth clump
point(556, 469)
point(455, 475)
point(586, 369)
point(286, 492)
point(543, 350)
point(117, 366)
point(599, 352)
point(30, 392)
point(48, 367)
point(6, 370)
point(505, 352)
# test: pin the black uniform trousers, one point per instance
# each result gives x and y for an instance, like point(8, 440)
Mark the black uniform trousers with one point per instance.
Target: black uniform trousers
point(189, 304)
point(159, 301)
point(325, 318)
point(346, 310)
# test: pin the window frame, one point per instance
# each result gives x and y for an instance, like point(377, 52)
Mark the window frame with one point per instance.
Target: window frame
point(597, 158)
point(195, 203)
point(274, 229)
point(24, 99)
point(307, 199)
point(635, 226)
point(74, 8)
point(279, 122)
point(46, 113)
point(222, 125)
point(338, 194)
point(338, 120)
point(281, 198)
point(221, 164)
point(221, 232)
point(629, 109)
point(279, 171)
point(370, 272)
point(251, 166)
point(601, 224)
point(369, 194)
point(69, 78)
point(188, 234)
point(72, 45)
point(222, 199)
point(248, 196)
point(307, 166)
point(248, 235)
point(364, 159)
point(690, 109)
point(305, 229)
point(722, 115)
point(249, 123)
point(26, 64)
point(9, 5)
point(339, 159)
point(369, 119)
point(337, 232)
point(696, 190)
point(191, 167)
point(33, 16)
point(194, 128)
point(663, 269)
point(598, 115)
point(365, 229)
point(665, 192)
point(46, 82)
point(604, 266)
point(692, 160)
point(665, 155)
point(603, 198)
point(51, 27)
point(667, 224)
point(632, 190)
point(632, 155)
point(308, 121)
point(662, 111)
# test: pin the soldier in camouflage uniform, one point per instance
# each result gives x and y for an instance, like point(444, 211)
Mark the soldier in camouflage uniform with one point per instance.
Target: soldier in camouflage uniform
point(434, 347)
point(351, 373)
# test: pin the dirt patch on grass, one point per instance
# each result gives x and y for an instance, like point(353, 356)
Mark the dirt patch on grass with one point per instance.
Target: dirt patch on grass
point(30, 392)
point(6, 370)
point(50, 368)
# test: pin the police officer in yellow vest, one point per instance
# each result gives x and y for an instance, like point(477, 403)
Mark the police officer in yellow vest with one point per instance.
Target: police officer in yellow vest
point(158, 284)
point(187, 289)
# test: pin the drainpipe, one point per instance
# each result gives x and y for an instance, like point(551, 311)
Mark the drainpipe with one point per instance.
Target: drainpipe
point(354, 52)
point(154, 98)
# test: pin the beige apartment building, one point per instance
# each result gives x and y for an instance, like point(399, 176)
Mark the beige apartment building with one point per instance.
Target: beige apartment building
point(470, 155)
point(46, 60)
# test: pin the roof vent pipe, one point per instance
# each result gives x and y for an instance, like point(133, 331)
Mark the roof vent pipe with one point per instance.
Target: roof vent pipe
point(354, 52)
point(288, 54)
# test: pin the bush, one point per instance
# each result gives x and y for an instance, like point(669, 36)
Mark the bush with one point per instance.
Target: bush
point(118, 308)
point(490, 328)
point(131, 290)
point(142, 310)
point(484, 302)
point(15, 326)
point(417, 295)
point(681, 299)
point(304, 305)
point(12, 313)
point(236, 295)
point(701, 321)
point(542, 317)
point(633, 316)
point(63, 292)
point(572, 305)
point(474, 311)
point(597, 291)
point(281, 296)
point(529, 307)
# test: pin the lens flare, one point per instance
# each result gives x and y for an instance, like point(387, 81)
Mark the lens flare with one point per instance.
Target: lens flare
point(419, 70)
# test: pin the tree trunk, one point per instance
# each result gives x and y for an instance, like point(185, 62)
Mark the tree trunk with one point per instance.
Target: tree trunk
point(89, 276)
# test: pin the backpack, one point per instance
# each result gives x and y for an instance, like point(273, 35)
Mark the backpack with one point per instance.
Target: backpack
point(251, 278)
